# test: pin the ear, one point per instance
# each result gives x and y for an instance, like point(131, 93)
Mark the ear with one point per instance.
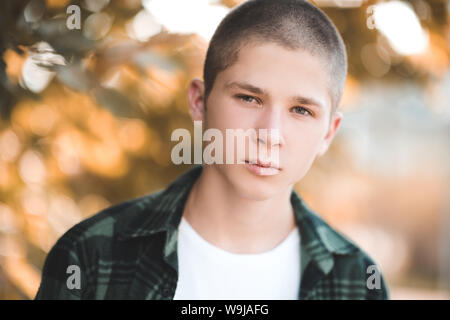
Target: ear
point(333, 127)
point(196, 93)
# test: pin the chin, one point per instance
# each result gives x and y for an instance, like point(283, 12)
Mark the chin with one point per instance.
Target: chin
point(251, 186)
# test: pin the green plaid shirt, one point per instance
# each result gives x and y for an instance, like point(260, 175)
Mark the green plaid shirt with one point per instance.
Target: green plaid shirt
point(129, 251)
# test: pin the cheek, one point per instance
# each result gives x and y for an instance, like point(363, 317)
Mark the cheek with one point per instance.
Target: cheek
point(299, 158)
point(302, 144)
point(224, 113)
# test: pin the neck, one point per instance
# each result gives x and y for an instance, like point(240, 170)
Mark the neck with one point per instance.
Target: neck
point(233, 222)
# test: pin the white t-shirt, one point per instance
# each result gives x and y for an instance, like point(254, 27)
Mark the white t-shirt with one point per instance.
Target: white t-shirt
point(209, 272)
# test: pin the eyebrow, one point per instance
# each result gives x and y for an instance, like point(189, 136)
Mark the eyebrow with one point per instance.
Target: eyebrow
point(256, 90)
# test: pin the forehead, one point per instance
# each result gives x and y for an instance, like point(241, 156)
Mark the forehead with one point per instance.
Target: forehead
point(279, 71)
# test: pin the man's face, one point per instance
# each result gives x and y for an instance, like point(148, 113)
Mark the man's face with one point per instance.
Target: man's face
point(270, 87)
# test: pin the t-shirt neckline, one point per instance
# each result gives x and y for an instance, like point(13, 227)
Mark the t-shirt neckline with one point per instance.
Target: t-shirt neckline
point(292, 238)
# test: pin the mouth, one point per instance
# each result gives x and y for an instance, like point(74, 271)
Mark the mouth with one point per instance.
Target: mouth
point(261, 168)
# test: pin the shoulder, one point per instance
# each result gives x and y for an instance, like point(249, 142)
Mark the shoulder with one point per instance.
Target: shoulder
point(92, 238)
point(108, 223)
point(85, 245)
point(352, 265)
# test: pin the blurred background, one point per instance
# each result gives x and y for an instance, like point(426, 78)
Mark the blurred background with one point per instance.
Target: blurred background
point(91, 90)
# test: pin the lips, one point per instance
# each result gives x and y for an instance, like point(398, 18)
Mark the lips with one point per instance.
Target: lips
point(260, 168)
point(263, 164)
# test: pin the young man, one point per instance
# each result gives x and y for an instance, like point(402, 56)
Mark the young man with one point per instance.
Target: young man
point(235, 231)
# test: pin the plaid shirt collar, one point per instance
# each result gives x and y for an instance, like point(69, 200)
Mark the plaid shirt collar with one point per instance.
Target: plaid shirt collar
point(318, 241)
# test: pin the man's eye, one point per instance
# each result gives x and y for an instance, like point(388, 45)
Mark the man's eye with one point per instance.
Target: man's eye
point(246, 98)
point(302, 111)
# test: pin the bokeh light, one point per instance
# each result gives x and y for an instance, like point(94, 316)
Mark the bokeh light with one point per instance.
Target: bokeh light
point(399, 23)
point(202, 19)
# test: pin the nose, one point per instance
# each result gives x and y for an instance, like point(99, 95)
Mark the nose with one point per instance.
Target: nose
point(269, 128)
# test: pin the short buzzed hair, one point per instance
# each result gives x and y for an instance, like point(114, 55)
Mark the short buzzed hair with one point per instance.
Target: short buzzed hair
point(293, 24)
